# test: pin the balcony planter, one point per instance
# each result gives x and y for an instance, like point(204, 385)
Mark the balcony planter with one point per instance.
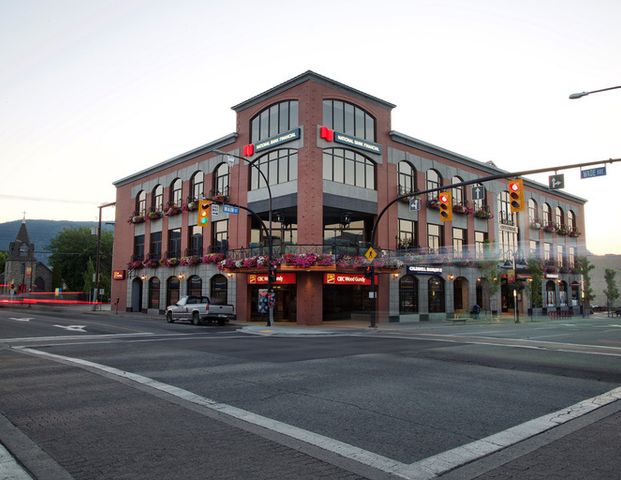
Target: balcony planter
point(172, 210)
point(433, 203)
point(574, 233)
point(219, 198)
point(135, 265)
point(562, 230)
point(213, 258)
point(136, 219)
point(483, 213)
point(535, 225)
point(170, 262)
point(191, 206)
point(459, 208)
point(306, 260)
point(151, 263)
point(549, 228)
point(190, 260)
point(155, 214)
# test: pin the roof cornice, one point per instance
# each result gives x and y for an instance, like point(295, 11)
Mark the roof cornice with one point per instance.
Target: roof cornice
point(208, 147)
point(305, 77)
point(470, 162)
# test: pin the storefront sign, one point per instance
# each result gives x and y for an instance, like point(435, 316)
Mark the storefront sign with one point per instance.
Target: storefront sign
point(552, 275)
point(346, 279)
point(281, 279)
point(507, 228)
point(118, 274)
point(271, 142)
point(357, 142)
point(424, 270)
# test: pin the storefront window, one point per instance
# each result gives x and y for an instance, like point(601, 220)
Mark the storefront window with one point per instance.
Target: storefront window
point(408, 294)
point(195, 286)
point(172, 290)
point(219, 289)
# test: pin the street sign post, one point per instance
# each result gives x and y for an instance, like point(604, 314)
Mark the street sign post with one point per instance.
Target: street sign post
point(230, 209)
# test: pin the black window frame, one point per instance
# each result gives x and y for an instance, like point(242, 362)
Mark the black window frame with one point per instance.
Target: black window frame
point(349, 119)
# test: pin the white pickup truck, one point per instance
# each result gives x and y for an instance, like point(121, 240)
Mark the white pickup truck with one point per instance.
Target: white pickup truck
point(196, 309)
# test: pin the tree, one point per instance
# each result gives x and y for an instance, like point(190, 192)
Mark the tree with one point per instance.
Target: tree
point(583, 267)
point(71, 251)
point(490, 271)
point(89, 275)
point(534, 287)
point(3, 256)
point(611, 292)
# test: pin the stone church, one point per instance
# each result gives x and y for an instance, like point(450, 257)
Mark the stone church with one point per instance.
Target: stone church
point(22, 270)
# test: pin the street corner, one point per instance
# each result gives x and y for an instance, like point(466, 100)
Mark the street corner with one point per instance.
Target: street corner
point(286, 331)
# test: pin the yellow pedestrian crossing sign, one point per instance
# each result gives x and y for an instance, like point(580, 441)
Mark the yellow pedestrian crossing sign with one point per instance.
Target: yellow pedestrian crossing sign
point(370, 254)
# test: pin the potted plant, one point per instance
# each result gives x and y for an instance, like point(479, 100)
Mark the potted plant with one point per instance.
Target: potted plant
point(155, 214)
point(535, 225)
point(172, 209)
point(483, 213)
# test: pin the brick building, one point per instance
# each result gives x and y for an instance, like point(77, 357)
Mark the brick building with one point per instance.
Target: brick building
point(333, 163)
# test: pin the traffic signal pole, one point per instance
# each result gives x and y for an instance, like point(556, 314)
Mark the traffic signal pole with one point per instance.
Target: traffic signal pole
point(489, 178)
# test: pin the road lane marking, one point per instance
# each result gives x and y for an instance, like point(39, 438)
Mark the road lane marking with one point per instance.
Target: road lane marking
point(73, 328)
point(425, 469)
point(73, 337)
point(21, 319)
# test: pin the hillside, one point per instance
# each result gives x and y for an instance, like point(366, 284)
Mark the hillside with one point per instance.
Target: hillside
point(40, 233)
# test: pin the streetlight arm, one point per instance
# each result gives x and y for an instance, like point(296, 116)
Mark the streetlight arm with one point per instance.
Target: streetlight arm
point(574, 96)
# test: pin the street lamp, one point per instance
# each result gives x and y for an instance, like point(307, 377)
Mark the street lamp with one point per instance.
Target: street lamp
point(98, 260)
point(270, 250)
point(574, 96)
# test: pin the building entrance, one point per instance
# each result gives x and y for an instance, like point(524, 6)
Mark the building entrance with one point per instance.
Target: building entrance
point(284, 308)
point(346, 302)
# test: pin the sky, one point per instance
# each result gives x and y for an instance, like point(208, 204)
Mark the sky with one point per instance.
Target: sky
point(93, 91)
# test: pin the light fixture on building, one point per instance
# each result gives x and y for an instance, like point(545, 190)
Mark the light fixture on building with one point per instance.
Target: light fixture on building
point(229, 274)
point(181, 276)
point(451, 277)
point(395, 275)
point(143, 277)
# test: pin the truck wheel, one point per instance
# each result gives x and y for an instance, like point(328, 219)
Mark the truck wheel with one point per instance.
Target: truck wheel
point(221, 322)
point(196, 319)
point(169, 317)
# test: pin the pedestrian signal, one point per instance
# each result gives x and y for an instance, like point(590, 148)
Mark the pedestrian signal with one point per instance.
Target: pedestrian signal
point(446, 206)
point(516, 195)
point(204, 206)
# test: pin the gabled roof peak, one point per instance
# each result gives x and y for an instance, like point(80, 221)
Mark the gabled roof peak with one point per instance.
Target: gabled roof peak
point(304, 77)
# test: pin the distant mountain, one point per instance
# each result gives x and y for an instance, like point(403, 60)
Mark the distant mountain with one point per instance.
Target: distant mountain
point(41, 233)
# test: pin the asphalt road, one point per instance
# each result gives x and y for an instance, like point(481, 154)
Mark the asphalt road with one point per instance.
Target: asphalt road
point(397, 395)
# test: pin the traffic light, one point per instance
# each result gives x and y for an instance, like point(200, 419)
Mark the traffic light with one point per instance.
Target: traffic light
point(272, 274)
point(446, 206)
point(516, 195)
point(203, 213)
point(369, 271)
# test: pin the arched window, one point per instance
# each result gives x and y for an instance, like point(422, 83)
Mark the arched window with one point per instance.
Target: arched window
point(275, 119)
point(547, 215)
point(279, 166)
point(154, 292)
point(458, 192)
point(533, 211)
point(219, 289)
point(349, 119)
point(408, 294)
point(504, 209)
point(407, 178)
point(433, 180)
point(571, 221)
point(348, 167)
point(197, 186)
point(195, 286)
point(172, 290)
point(141, 203)
point(559, 216)
point(221, 180)
point(157, 201)
point(175, 192)
point(436, 294)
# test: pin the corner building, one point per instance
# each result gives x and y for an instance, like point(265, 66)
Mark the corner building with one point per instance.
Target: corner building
point(332, 164)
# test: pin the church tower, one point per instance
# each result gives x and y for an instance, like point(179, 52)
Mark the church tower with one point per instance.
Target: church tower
point(22, 268)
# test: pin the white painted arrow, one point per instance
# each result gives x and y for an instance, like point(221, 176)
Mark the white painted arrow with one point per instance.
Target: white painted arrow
point(73, 328)
point(20, 319)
